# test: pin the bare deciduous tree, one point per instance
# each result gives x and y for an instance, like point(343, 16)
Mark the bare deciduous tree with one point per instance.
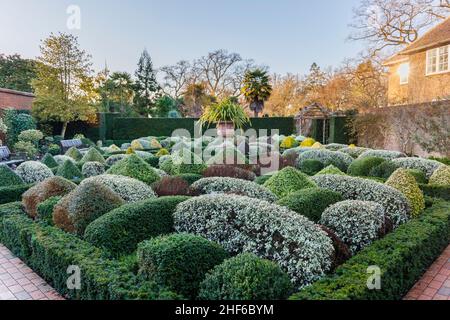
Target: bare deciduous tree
point(177, 77)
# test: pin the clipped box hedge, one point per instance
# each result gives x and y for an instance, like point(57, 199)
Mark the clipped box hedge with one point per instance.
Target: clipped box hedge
point(433, 191)
point(13, 193)
point(403, 257)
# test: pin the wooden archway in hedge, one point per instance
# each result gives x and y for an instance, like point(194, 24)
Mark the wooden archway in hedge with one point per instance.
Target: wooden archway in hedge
point(304, 119)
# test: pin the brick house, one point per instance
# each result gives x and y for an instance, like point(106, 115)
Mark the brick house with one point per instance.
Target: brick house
point(15, 99)
point(421, 72)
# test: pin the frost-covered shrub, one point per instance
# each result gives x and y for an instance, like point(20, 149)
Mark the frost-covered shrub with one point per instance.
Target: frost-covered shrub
point(441, 177)
point(69, 171)
point(112, 160)
point(33, 171)
point(327, 157)
point(287, 181)
point(395, 204)
point(93, 155)
point(242, 224)
point(356, 223)
point(384, 170)
point(331, 170)
point(246, 277)
point(335, 146)
point(406, 184)
point(54, 186)
point(134, 167)
point(74, 153)
point(129, 189)
point(361, 167)
point(224, 185)
point(8, 177)
point(61, 159)
point(49, 161)
point(296, 151)
point(426, 166)
point(385, 154)
point(354, 152)
point(92, 169)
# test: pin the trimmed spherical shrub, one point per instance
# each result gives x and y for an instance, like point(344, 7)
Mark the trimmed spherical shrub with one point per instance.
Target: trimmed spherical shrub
point(243, 224)
point(262, 179)
point(93, 155)
point(331, 170)
point(112, 160)
point(179, 262)
point(441, 177)
point(230, 172)
point(92, 169)
point(308, 142)
point(246, 277)
point(129, 189)
point(88, 202)
point(33, 171)
point(184, 161)
point(326, 157)
point(384, 154)
point(356, 223)
point(69, 171)
point(310, 167)
point(45, 210)
point(172, 186)
point(289, 143)
point(55, 186)
point(395, 204)
point(121, 230)
point(49, 161)
point(361, 167)
point(354, 152)
point(404, 182)
point(134, 167)
point(310, 203)
point(420, 177)
point(190, 178)
point(74, 153)
point(8, 177)
point(384, 170)
point(220, 185)
point(287, 181)
point(428, 167)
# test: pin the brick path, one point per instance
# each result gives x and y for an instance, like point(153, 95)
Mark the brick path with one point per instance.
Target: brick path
point(19, 282)
point(435, 284)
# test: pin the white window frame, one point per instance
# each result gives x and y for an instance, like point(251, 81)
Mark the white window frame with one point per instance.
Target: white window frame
point(407, 76)
point(438, 58)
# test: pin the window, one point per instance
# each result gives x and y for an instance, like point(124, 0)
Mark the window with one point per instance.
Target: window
point(437, 60)
point(403, 72)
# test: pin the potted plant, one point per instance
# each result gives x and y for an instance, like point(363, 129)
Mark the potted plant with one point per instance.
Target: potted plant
point(227, 115)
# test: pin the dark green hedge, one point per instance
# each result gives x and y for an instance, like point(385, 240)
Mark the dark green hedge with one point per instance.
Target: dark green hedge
point(433, 191)
point(403, 257)
point(50, 251)
point(13, 193)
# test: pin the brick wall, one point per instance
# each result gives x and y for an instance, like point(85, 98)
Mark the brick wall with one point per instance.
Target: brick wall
point(15, 99)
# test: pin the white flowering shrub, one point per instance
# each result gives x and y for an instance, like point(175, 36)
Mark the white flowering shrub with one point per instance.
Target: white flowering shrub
point(428, 167)
point(33, 172)
point(220, 185)
point(243, 224)
point(61, 159)
point(296, 151)
point(144, 155)
point(395, 204)
point(356, 223)
point(354, 152)
point(384, 154)
point(161, 173)
point(129, 189)
point(92, 169)
point(327, 157)
point(112, 160)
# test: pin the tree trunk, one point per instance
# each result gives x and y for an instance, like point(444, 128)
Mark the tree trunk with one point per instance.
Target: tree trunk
point(256, 114)
point(64, 129)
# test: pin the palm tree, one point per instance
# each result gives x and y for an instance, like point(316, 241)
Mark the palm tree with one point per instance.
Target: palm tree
point(256, 89)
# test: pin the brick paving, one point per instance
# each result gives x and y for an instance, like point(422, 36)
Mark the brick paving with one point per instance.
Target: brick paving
point(19, 282)
point(435, 283)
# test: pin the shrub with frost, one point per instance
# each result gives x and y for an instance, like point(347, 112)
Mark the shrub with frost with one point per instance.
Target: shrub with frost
point(327, 157)
point(33, 171)
point(243, 224)
point(92, 169)
point(335, 146)
point(61, 159)
point(385, 154)
point(428, 167)
point(354, 152)
point(112, 160)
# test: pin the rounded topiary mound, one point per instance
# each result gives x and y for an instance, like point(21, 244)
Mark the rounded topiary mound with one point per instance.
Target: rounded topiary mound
point(74, 153)
point(129, 189)
point(92, 169)
point(33, 172)
point(8, 177)
point(179, 262)
point(134, 167)
point(356, 223)
point(354, 152)
point(326, 157)
point(246, 277)
point(112, 160)
point(88, 202)
point(45, 210)
point(420, 177)
point(384, 154)
point(93, 155)
point(185, 161)
point(395, 204)
point(61, 159)
point(331, 170)
point(121, 230)
point(441, 177)
point(311, 203)
point(234, 186)
point(407, 185)
point(190, 177)
point(287, 181)
point(384, 170)
point(242, 224)
point(361, 167)
point(311, 167)
point(428, 167)
point(69, 171)
point(55, 186)
point(229, 172)
point(49, 161)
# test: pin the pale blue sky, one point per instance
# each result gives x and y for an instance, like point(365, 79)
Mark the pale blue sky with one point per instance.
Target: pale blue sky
point(286, 35)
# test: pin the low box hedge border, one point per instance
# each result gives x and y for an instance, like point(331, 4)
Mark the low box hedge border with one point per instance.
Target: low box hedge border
point(434, 191)
point(50, 251)
point(13, 193)
point(403, 256)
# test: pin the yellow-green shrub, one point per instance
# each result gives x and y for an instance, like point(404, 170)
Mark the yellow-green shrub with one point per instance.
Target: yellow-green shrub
point(308, 142)
point(441, 177)
point(289, 143)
